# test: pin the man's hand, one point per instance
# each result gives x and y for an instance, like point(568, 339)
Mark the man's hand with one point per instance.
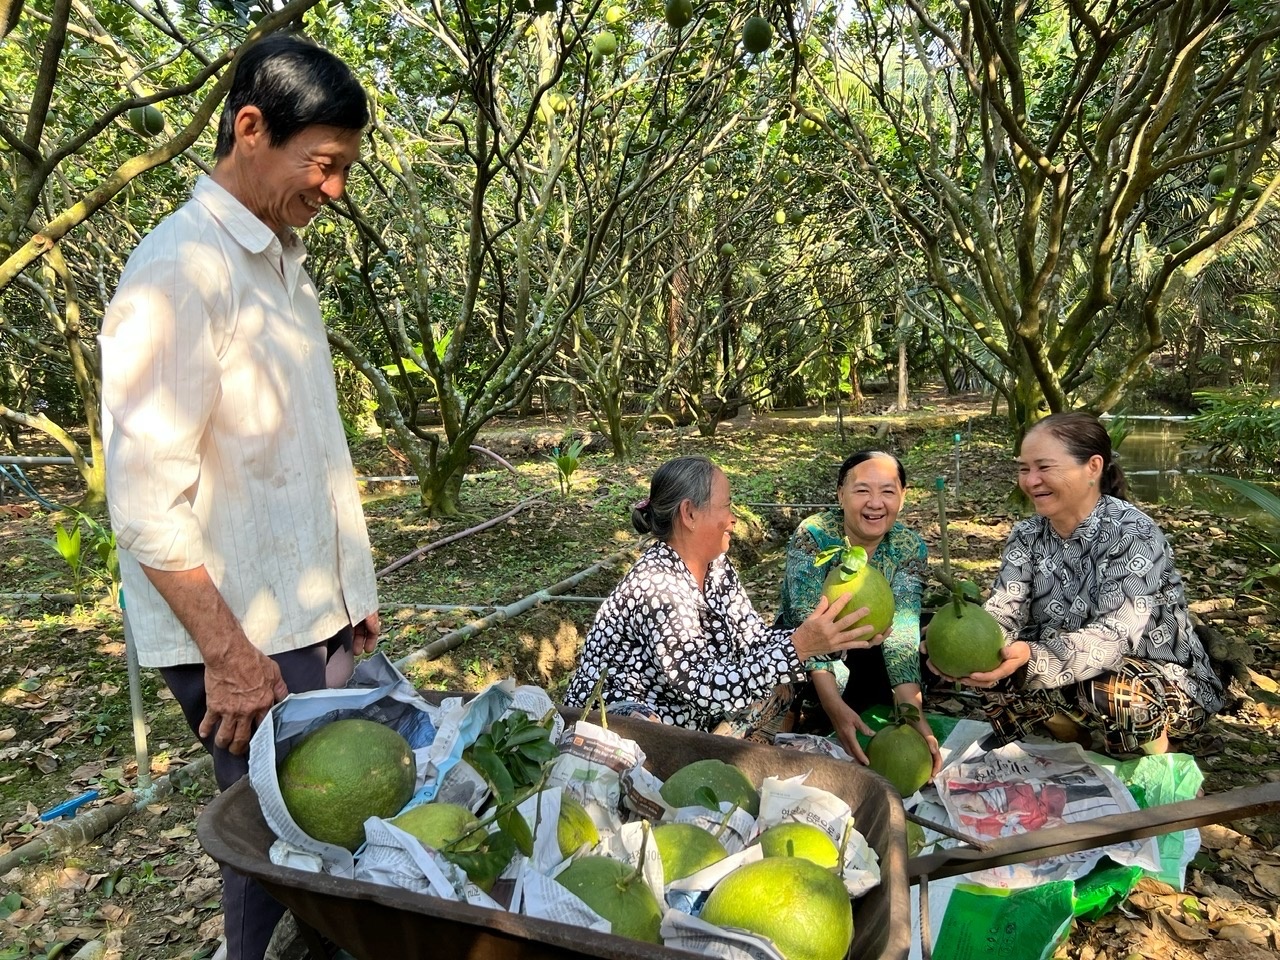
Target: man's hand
point(240, 690)
point(241, 682)
point(365, 635)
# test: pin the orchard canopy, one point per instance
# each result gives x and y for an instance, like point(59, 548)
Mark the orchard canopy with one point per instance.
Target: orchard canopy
point(647, 209)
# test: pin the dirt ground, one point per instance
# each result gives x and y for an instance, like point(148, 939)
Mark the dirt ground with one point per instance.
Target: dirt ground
point(145, 889)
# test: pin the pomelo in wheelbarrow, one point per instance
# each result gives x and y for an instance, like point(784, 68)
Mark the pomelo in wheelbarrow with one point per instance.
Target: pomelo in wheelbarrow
point(684, 788)
point(441, 824)
point(802, 908)
point(342, 774)
point(617, 892)
point(800, 840)
point(685, 849)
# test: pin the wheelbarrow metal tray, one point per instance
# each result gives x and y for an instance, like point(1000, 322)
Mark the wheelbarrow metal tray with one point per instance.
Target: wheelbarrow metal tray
point(376, 922)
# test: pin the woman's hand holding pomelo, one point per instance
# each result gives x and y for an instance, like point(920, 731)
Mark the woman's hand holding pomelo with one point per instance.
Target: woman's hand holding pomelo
point(1012, 657)
point(823, 633)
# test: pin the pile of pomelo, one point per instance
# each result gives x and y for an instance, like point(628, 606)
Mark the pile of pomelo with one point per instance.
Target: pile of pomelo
point(349, 770)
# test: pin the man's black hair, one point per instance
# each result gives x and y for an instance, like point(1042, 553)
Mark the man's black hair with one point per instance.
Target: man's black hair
point(295, 84)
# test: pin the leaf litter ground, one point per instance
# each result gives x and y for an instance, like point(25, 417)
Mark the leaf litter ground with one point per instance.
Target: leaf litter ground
point(147, 890)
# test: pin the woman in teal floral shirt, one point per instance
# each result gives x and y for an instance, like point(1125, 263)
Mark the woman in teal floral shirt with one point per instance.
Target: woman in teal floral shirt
point(871, 488)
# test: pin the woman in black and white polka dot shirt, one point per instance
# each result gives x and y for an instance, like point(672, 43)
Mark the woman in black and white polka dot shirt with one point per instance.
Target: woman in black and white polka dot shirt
point(678, 640)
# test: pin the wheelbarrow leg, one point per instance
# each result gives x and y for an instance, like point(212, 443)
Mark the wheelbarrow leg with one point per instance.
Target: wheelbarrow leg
point(316, 948)
point(926, 939)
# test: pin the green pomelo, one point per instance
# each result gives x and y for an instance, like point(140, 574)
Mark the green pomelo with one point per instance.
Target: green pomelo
point(757, 35)
point(604, 44)
point(900, 755)
point(963, 644)
point(1252, 192)
point(439, 824)
point(678, 13)
point(686, 848)
point(726, 781)
point(343, 773)
point(1218, 175)
point(915, 838)
point(147, 121)
point(800, 840)
point(574, 829)
point(728, 249)
point(803, 909)
point(866, 588)
point(618, 893)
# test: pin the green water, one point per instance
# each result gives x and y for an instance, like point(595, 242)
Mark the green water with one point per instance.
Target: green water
point(1163, 468)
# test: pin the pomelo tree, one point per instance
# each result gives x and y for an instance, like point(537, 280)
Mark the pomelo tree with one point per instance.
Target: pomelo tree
point(1037, 142)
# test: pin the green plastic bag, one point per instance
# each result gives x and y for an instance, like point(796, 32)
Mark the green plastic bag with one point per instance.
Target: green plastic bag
point(1023, 924)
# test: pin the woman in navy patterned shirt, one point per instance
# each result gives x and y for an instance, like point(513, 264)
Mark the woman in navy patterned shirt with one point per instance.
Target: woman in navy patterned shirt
point(678, 641)
point(1097, 633)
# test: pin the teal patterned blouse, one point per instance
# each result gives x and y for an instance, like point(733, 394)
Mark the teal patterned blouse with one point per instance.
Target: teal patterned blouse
point(903, 559)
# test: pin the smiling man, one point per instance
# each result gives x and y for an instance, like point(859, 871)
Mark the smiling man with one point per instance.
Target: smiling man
point(243, 548)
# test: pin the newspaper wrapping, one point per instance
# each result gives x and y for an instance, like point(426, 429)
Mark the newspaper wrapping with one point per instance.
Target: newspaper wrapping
point(378, 692)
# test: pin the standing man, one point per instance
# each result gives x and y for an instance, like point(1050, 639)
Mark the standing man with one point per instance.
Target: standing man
point(243, 547)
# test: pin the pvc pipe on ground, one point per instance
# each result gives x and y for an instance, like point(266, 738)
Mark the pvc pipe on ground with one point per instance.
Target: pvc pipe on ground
point(94, 823)
point(40, 461)
point(454, 607)
point(427, 548)
point(455, 638)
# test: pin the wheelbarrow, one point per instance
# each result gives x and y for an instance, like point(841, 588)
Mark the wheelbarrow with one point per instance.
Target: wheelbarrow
point(375, 922)
point(974, 855)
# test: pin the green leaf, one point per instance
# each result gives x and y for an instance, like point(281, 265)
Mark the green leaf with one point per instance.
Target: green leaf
point(484, 866)
point(517, 828)
point(11, 903)
point(540, 751)
point(488, 763)
point(706, 797)
point(1261, 496)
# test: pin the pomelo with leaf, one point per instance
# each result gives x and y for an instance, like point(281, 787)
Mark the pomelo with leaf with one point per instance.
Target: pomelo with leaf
point(708, 783)
point(604, 44)
point(901, 755)
point(854, 576)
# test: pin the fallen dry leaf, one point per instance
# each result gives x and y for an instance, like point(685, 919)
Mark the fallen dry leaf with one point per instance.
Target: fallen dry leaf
point(1247, 932)
point(1185, 931)
point(72, 878)
point(176, 833)
point(1268, 878)
point(7, 734)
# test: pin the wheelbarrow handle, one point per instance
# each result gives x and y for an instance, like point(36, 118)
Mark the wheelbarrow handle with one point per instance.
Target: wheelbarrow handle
point(1100, 832)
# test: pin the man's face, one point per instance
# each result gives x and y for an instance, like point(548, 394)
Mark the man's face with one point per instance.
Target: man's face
point(291, 182)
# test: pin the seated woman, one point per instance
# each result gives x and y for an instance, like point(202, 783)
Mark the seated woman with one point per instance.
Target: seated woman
point(871, 488)
point(678, 641)
point(1097, 633)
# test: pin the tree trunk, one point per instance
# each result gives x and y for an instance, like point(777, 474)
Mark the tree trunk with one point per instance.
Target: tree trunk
point(902, 375)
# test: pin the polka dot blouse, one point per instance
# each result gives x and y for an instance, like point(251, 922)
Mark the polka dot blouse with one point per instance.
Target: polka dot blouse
point(695, 657)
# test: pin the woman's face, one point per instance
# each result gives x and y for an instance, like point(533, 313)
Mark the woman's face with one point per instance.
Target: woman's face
point(871, 497)
point(713, 522)
point(1063, 491)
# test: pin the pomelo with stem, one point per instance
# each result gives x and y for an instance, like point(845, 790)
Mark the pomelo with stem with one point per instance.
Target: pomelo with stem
point(854, 576)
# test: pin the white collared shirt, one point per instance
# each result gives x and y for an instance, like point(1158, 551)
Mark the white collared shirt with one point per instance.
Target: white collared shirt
point(223, 442)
